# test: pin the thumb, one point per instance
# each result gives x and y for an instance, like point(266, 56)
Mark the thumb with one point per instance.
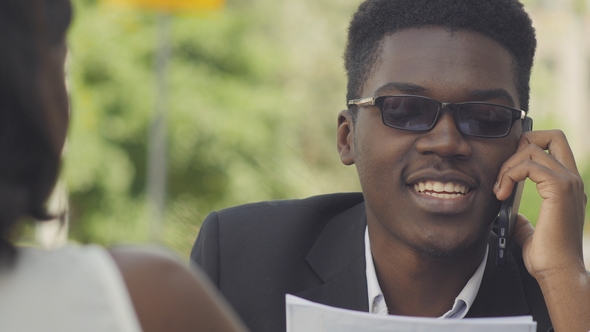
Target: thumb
point(523, 230)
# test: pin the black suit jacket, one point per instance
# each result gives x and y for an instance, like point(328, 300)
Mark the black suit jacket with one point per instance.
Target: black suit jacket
point(314, 248)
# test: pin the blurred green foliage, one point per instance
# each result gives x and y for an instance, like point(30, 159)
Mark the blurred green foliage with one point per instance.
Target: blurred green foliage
point(254, 91)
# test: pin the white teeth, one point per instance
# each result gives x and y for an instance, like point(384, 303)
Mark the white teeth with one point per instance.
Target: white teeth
point(440, 189)
point(438, 186)
point(460, 189)
point(434, 194)
point(449, 187)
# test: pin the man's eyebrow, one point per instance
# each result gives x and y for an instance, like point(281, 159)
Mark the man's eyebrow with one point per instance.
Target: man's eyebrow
point(406, 88)
point(484, 95)
point(413, 89)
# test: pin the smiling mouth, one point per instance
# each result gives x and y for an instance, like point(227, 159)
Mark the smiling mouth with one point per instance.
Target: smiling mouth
point(441, 189)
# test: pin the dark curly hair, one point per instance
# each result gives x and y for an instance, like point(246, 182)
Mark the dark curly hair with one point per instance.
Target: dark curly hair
point(33, 108)
point(504, 21)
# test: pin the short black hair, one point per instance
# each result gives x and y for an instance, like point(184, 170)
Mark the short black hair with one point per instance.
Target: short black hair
point(504, 21)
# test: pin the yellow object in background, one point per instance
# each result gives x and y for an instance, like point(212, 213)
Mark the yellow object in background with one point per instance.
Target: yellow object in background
point(168, 5)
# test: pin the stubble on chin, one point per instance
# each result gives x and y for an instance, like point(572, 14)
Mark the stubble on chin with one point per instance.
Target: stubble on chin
point(438, 254)
point(447, 251)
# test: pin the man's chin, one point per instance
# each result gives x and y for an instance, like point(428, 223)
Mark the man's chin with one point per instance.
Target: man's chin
point(441, 255)
point(444, 252)
point(456, 245)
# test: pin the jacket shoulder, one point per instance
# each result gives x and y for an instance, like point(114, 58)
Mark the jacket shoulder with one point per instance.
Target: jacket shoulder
point(325, 205)
point(289, 227)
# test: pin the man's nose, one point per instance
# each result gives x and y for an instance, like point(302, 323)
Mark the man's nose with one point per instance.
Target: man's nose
point(444, 139)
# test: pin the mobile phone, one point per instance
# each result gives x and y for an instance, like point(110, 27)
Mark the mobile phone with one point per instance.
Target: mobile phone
point(509, 211)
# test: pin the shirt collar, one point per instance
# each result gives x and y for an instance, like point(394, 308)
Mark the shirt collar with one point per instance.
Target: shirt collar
point(462, 303)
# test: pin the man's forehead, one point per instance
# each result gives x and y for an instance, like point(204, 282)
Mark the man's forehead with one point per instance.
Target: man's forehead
point(433, 36)
point(411, 60)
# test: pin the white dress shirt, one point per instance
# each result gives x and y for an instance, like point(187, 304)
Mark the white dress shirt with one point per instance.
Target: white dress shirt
point(462, 303)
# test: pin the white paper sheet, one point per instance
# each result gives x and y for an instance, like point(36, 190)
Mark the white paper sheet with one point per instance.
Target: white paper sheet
point(307, 316)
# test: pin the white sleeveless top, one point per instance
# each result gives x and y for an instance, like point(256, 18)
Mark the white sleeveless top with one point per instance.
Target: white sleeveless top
point(68, 289)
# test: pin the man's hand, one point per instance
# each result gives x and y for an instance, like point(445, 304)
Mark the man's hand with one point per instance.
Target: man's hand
point(552, 251)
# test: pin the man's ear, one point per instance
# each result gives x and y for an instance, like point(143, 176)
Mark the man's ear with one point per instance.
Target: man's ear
point(345, 137)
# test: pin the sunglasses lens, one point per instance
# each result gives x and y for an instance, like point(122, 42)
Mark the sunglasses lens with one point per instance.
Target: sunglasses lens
point(408, 113)
point(484, 120)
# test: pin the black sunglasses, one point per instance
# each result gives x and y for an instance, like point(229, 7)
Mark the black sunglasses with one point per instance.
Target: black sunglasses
point(417, 113)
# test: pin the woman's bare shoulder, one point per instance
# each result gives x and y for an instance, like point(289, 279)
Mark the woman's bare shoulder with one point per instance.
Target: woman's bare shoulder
point(169, 296)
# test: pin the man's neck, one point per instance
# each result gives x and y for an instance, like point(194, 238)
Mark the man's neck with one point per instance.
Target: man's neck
point(416, 285)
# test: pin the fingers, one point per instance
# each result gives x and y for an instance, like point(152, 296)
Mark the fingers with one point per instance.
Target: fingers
point(554, 142)
point(550, 182)
point(556, 166)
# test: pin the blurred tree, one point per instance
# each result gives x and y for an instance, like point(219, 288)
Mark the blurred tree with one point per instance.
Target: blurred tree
point(254, 93)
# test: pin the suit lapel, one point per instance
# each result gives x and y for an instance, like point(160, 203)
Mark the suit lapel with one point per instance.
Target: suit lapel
point(338, 258)
point(501, 292)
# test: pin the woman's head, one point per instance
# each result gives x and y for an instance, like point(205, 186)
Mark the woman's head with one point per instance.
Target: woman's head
point(33, 105)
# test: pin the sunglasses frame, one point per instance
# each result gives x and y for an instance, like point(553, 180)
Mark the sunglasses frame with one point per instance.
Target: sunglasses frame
point(371, 101)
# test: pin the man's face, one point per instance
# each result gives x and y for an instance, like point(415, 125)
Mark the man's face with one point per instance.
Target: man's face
point(449, 67)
